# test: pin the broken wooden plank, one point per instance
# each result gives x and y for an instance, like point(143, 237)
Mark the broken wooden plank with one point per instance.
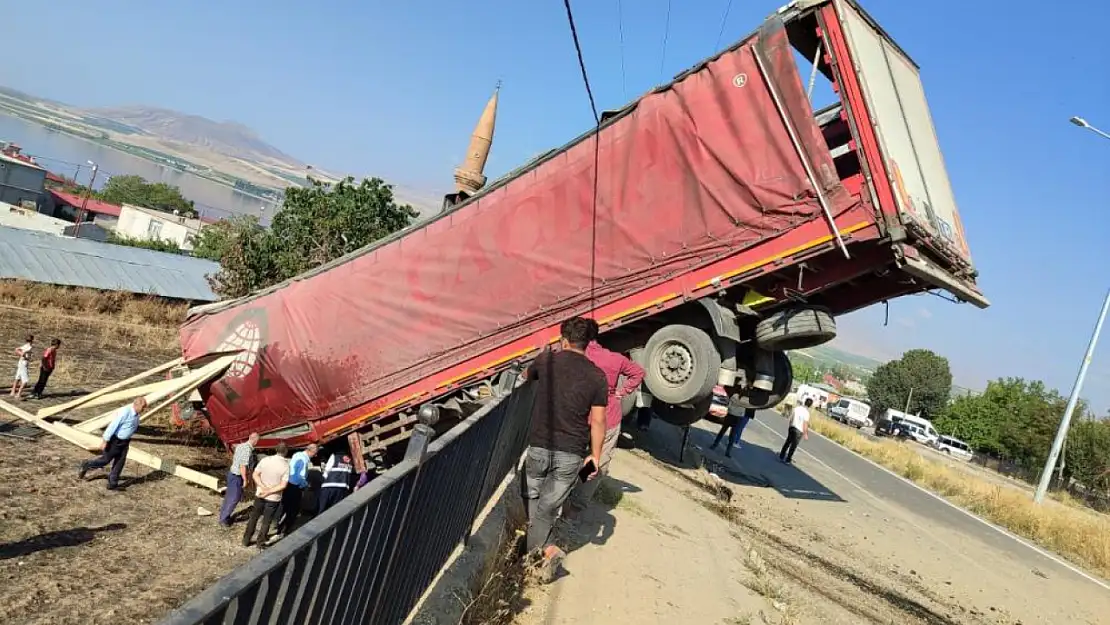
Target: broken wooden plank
point(81, 401)
point(129, 394)
point(187, 382)
point(92, 442)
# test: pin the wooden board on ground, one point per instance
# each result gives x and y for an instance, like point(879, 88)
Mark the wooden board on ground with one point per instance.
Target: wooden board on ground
point(92, 442)
point(187, 383)
point(81, 401)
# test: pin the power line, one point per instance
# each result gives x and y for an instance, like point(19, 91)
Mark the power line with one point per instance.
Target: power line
point(620, 28)
point(597, 153)
point(666, 31)
point(721, 33)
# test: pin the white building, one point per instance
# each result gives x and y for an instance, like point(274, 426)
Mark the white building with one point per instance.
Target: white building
point(147, 224)
point(20, 181)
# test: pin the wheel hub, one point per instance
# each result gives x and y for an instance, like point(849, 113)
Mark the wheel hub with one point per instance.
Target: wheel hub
point(676, 363)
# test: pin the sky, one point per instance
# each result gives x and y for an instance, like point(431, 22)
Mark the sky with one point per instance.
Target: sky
point(393, 89)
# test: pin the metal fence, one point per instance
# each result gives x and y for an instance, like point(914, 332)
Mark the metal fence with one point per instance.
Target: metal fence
point(370, 558)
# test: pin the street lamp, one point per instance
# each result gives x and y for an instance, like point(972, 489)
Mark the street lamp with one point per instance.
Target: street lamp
point(1082, 123)
point(85, 202)
point(1065, 423)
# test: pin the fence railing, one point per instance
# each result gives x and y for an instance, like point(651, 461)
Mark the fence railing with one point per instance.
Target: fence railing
point(368, 559)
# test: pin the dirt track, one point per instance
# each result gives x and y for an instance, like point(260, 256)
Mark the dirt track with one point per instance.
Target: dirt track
point(70, 551)
point(796, 545)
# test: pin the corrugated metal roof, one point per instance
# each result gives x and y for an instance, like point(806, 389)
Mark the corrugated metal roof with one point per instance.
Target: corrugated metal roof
point(92, 206)
point(41, 257)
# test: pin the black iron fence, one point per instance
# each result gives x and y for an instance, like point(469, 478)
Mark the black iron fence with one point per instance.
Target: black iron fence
point(370, 558)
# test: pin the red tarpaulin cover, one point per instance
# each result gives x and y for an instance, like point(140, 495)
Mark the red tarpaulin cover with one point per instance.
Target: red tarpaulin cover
point(691, 173)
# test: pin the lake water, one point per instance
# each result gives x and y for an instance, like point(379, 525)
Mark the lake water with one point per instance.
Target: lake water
point(67, 156)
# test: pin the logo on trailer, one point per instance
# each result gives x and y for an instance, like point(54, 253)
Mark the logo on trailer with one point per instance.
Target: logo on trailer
point(740, 80)
point(247, 334)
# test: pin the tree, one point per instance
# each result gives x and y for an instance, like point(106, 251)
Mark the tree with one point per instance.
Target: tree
point(926, 373)
point(803, 370)
point(214, 240)
point(158, 245)
point(316, 224)
point(136, 190)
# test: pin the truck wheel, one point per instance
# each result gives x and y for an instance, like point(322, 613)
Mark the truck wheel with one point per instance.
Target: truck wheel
point(784, 378)
point(681, 415)
point(682, 365)
point(628, 402)
point(796, 328)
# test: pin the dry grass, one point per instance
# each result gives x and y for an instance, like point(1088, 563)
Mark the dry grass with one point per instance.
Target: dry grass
point(117, 306)
point(1074, 533)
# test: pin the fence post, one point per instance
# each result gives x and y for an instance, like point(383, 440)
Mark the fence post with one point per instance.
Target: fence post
point(417, 449)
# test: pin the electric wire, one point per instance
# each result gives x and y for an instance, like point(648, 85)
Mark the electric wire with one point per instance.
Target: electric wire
point(721, 32)
point(597, 154)
point(620, 30)
point(666, 32)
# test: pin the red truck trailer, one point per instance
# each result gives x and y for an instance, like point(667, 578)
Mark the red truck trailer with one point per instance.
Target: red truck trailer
point(732, 223)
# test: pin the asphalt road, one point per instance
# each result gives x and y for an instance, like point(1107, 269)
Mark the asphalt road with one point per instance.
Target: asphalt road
point(854, 478)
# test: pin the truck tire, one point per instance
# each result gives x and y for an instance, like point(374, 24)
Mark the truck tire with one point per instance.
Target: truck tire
point(784, 379)
point(796, 328)
point(682, 365)
point(681, 415)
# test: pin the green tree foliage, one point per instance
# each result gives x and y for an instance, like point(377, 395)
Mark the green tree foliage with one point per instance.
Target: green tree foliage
point(804, 371)
point(215, 239)
point(136, 190)
point(1017, 420)
point(1087, 454)
point(316, 224)
point(926, 373)
point(158, 245)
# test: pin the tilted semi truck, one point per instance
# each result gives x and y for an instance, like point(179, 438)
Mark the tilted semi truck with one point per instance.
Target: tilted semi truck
point(732, 223)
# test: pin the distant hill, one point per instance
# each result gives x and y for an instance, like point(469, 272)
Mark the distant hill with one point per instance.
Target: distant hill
point(228, 138)
point(829, 354)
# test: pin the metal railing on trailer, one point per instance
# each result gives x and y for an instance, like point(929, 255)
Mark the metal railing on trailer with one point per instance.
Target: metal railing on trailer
point(370, 558)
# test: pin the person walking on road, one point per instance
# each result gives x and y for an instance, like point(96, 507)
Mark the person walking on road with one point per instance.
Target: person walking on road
point(115, 443)
point(338, 473)
point(567, 433)
point(736, 420)
point(46, 367)
point(271, 476)
point(298, 482)
point(615, 367)
point(238, 476)
point(799, 429)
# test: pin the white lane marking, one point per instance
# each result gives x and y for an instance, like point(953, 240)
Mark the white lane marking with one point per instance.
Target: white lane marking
point(1001, 530)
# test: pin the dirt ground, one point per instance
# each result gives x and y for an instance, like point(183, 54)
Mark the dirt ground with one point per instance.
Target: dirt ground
point(794, 545)
point(73, 552)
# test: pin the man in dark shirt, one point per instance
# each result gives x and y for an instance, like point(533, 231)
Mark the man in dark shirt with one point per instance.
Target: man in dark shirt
point(568, 430)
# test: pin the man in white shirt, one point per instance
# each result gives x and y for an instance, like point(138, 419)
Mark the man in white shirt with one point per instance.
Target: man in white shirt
point(271, 476)
point(799, 429)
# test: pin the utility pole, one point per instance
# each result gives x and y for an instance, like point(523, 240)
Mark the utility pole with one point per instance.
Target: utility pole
point(908, 398)
point(85, 202)
point(1065, 423)
point(1062, 431)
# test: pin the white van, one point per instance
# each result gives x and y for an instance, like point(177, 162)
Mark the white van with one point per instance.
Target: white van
point(851, 411)
point(919, 429)
point(954, 447)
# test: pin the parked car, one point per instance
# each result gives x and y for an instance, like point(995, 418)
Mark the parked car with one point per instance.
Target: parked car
point(851, 411)
point(954, 447)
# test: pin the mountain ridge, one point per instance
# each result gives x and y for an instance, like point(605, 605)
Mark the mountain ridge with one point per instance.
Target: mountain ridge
point(230, 138)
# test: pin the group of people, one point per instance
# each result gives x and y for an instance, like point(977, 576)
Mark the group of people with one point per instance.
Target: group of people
point(24, 354)
point(280, 482)
point(576, 420)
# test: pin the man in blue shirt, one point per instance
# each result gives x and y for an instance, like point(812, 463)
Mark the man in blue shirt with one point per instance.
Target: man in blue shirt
point(298, 482)
point(116, 441)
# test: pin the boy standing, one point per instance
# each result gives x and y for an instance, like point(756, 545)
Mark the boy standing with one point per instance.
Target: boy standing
point(46, 367)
